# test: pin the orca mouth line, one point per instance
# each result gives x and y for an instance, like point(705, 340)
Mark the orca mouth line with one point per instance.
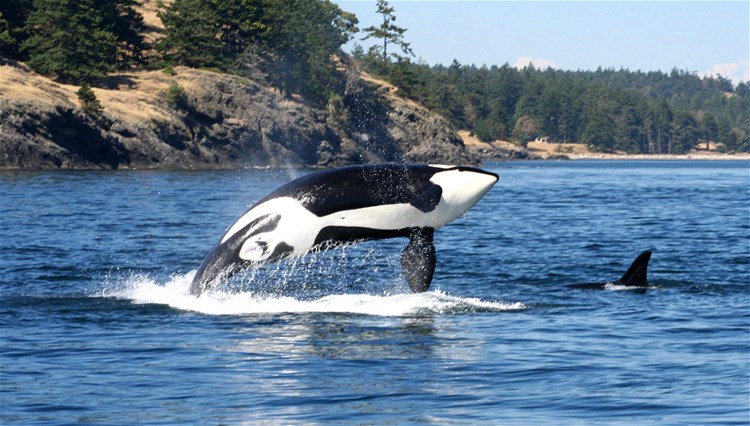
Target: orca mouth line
point(477, 170)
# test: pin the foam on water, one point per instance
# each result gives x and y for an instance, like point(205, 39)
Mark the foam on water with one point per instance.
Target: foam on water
point(619, 287)
point(175, 293)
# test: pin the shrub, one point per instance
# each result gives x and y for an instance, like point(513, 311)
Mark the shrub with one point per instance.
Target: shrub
point(89, 102)
point(168, 70)
point(177, 97)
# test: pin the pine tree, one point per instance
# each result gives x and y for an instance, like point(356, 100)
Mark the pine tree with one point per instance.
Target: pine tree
point(13, 15)
point(389, 33)
point(242, 24)
point(89, 103)
point(122, 19)
point(191, 34)
point(303, 38)
point(177, 97)
point(685, 132)
point(7, 42)
point(210, 33)
point(68, 40)
point(709, 129)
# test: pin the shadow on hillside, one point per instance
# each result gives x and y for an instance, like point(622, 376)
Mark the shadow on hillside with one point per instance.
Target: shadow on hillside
point(116, 82)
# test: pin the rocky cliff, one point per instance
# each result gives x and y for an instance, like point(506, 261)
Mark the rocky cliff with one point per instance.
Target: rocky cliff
point(216, 121)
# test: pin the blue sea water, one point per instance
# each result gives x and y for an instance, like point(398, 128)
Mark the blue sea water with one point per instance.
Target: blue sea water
point(97, 326)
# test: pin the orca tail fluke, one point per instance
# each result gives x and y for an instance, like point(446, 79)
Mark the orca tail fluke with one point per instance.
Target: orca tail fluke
point(637, 274)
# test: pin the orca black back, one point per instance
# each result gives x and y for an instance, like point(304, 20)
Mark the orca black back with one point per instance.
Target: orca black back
point(363, 186)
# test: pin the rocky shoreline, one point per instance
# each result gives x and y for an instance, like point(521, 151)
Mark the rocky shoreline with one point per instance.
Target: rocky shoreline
point(222, 121)
point(225, 121)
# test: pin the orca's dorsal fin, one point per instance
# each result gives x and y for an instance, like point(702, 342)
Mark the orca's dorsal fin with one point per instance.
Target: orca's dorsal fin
point(418, 259)
point(637, 274)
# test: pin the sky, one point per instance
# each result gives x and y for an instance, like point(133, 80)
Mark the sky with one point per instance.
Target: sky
point(701, 37)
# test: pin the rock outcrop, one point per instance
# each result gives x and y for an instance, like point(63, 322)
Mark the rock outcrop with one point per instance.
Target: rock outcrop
point(219, 121)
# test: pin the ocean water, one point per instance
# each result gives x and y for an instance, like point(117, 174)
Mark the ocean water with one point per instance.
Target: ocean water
point(97, 326)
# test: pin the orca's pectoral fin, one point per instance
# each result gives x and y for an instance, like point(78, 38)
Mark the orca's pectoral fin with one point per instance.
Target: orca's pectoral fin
point(418, 259)
point(637, 274)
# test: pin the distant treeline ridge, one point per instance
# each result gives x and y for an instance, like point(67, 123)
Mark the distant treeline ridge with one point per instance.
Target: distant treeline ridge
point(295, 46)
point(632, 111)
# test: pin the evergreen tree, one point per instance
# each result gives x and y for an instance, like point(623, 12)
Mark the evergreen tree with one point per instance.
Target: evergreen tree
point(608, 109)
point(738, 140)
point(685, 133)
point(191, 34)
point(210, 33)
point(241, 24)
point(13, 15)
point(709, 129)
point(68, 39)
point(122, 19)
point(177, 97)
point(7, 41)
point(743, 90)
point(389, 33)
point(659, 133)
point(598, 131)
point(89, 103)
point(444, 98)
point(302, 39)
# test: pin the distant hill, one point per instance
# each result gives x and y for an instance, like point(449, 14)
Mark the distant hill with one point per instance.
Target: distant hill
point(222, 121)
point(261, 89)
point(608, 110)
point(235, 83)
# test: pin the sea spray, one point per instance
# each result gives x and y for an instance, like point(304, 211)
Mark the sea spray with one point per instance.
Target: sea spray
point(358, 279)
point(174, 293)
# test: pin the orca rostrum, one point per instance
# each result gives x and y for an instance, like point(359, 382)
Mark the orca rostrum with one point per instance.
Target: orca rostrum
point(325, 209)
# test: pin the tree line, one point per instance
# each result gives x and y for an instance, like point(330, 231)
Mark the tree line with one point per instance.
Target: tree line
point(292, 42)
point(296, 46)
point(633, 111)
point(74, 41)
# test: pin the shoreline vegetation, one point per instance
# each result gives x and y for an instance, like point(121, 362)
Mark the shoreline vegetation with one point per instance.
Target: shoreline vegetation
point(182, 84)
point(550, 151)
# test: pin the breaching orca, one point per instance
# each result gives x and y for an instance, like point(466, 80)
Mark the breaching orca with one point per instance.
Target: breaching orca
point(636, 276)
point(325, 209)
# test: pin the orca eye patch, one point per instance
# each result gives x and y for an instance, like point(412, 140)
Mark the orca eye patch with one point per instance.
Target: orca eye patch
point(265, 223)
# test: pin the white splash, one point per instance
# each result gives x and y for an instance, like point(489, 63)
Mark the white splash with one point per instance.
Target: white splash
point(618, 287)
point(175, 293)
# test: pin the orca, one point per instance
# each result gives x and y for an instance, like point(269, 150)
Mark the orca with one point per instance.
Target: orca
point(636, 276)
point(326, 209)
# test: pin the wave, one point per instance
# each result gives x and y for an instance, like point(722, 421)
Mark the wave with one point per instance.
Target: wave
point(175, 293)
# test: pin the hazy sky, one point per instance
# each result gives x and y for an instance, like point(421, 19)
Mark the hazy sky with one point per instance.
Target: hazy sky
point(700, 37)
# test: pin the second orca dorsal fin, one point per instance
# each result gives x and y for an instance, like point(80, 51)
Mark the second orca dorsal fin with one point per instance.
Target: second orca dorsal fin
point(637, 274)
point(418, 259)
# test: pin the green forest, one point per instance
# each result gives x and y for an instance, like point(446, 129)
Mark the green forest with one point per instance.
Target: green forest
point(296, 47)
point(635, 112)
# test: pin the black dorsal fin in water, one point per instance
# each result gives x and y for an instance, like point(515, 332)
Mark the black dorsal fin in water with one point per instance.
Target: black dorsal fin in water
point(635, 276)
